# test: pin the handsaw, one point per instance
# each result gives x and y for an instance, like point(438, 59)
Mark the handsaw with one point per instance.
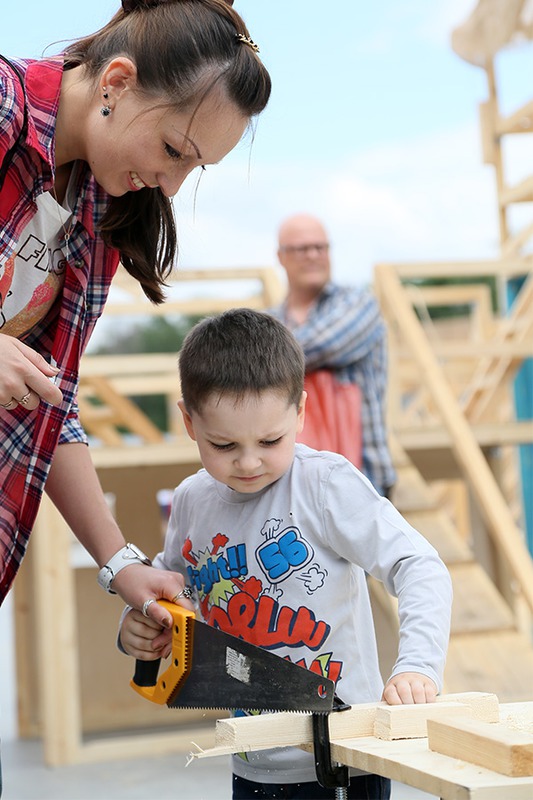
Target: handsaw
point(213, 669)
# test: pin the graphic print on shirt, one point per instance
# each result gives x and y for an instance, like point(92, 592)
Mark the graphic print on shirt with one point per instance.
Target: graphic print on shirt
point(29, 284)
point(237, 601)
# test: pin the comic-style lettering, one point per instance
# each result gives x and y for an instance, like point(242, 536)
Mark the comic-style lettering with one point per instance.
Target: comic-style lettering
point(263, 622)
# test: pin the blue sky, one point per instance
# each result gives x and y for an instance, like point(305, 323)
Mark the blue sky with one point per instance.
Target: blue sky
point(373, 125)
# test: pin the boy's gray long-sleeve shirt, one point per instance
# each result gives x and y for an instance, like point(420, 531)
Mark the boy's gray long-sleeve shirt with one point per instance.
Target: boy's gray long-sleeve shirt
point(285, 568)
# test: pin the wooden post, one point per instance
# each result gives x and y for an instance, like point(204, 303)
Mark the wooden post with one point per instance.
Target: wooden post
point(57, 643)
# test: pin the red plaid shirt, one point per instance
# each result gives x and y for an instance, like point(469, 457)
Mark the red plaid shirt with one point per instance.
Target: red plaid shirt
point(28, 439)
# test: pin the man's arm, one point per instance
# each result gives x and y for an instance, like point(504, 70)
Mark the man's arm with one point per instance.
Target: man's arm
point(341, 330)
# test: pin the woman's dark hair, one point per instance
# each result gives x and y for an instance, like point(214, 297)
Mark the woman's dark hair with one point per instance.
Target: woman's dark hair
point(240, 352)
point(181, 49)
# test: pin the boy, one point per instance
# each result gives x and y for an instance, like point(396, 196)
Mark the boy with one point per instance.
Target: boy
point(276, 539)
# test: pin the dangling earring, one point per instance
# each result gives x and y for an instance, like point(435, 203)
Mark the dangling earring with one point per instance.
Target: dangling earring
point(105, 111)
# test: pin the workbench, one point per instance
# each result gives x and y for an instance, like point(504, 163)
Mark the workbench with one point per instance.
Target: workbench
point(406, 760)
point(410, 761)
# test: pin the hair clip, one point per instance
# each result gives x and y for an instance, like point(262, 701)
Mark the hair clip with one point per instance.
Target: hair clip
point(246, 40)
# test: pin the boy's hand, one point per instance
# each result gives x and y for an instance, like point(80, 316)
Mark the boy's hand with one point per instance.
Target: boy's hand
point(143, 638)
point(409, 687)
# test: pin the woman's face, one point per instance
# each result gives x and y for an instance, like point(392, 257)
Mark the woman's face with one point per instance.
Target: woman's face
point(140, 144)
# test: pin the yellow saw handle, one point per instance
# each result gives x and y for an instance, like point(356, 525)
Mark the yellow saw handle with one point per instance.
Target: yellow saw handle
point(161, 690)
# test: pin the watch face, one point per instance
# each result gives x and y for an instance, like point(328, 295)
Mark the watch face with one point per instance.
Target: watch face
point(139, 553)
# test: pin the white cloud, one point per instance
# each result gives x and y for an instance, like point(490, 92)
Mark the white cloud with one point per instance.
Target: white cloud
point(440, 19)
point(426, 198)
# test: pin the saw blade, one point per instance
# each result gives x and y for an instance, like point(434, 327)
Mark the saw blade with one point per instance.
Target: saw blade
point(213, 669)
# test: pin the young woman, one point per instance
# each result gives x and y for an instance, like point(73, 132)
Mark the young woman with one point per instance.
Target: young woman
point(93, 144)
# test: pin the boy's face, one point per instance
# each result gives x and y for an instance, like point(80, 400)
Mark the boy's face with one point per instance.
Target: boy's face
point(246, 445)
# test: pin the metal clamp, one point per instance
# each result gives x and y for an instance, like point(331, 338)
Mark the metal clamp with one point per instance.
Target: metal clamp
point(329, 776)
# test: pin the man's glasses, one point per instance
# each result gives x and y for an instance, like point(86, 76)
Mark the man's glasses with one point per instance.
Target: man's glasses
point(303, 250)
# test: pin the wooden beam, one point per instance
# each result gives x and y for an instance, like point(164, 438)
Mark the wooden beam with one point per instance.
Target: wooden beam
point(519, 193)
point(176, 452)
point(497, 515)
point(261, 732)
point(495, 747)
point(488, 434)
point(520, 121)
point(410, 721)
point(503, 268)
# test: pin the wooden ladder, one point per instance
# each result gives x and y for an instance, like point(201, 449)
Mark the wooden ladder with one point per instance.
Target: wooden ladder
point(488, 651)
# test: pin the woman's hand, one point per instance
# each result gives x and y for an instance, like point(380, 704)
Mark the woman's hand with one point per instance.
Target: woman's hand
point(409, 687)
point(25, 376)
point(143, 638)
point(138, 583)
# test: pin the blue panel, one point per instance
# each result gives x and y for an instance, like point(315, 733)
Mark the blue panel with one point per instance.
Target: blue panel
point(523, 391)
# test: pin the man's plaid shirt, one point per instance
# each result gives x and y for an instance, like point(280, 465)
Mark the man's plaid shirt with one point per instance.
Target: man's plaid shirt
point(345, 332)
point(28, 439)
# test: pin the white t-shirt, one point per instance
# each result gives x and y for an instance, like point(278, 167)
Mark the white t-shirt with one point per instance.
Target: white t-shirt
point(285, 568)
point(32, 279)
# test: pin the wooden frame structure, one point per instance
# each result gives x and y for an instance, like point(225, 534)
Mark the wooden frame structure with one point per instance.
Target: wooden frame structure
point(492, 612)
point(67, 691)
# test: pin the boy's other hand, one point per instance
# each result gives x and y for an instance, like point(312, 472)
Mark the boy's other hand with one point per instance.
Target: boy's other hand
point(409, 687)
point(143, 638)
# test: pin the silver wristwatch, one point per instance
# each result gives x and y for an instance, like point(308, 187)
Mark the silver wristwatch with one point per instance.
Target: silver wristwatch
point(130, 554)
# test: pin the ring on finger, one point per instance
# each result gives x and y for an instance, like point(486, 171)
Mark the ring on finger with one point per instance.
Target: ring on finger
point(186, 592)
point(24, 400)
point(146, 604)
point(9, 405)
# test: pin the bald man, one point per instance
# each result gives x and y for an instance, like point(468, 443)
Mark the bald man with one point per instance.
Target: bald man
point(340, 329)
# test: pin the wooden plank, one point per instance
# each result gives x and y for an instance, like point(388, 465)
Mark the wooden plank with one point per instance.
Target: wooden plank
point(167, 453)
point(484, 705)
point(512, 246)
point(255, 287)
point(494, 746)
point(410, 761)
point(263, 731)
point(519, 193)
point(487, 113)
point(410, 721)
point(520, 121)
point(27, 665)
point(487, 434)
point(125, 413)
point(57, 644)
point(504, 268)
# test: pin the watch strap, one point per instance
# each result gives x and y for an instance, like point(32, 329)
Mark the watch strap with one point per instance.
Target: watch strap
point(130, 554)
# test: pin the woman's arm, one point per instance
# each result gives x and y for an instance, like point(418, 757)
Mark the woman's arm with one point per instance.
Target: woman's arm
point(75, 490)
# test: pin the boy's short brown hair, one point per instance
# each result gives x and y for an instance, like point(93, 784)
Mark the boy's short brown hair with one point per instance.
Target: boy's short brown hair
point(238, 352)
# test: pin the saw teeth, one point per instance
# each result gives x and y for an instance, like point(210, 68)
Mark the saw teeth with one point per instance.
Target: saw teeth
point(244, 708)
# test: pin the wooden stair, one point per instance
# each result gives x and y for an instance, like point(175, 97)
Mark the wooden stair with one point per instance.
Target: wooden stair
point(487, 651)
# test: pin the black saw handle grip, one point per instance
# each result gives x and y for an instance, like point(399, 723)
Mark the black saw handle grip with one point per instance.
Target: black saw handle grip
point(146, 672)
